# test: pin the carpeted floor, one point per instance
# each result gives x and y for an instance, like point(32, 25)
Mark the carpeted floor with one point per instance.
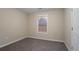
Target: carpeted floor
point(30, 44)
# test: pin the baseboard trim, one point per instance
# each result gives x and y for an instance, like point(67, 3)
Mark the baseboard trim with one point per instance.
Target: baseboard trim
point(47, 39)
point(13, 41)
point(69, 49)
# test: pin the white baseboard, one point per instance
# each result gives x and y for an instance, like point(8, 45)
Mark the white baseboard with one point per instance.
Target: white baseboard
point(12, 42)
point(46, 39)
point(69, 49)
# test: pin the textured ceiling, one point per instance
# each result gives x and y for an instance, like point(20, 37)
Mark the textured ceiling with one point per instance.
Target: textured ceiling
point(32, 10)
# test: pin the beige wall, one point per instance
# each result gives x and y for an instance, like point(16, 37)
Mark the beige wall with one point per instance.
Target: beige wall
point(13, 25)
point(55, 25)
point(68, 13)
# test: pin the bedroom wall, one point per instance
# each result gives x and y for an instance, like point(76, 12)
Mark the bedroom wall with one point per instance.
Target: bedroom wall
point(71, 37)
point(13, 25)
point(67, 14)
point(55, 25)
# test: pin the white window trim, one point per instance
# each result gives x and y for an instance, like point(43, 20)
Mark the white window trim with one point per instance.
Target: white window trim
point(47, 23)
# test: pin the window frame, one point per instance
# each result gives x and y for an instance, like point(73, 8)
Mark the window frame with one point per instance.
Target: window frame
point(38, 23)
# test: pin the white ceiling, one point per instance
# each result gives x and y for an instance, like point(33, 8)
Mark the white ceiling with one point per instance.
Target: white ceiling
point(32, 10)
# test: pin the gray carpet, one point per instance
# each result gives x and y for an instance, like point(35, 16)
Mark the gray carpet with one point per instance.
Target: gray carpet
point(30, 44)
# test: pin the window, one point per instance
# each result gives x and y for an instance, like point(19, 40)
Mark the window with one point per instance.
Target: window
point(42, 23)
